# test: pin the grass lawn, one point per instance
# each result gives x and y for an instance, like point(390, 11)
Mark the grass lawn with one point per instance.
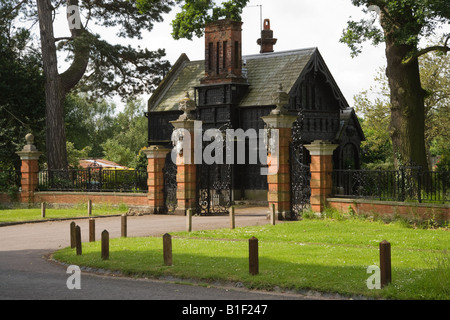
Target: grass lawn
point(317, 254)
point(34, 214)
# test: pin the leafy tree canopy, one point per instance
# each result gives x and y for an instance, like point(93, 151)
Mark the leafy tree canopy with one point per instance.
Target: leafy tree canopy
point(196, 14)
point(21, 88)
point(405, 21)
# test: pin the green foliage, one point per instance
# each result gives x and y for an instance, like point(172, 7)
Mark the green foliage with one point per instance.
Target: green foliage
point(405, 21)
point(130, 136)
point(116, 69)
point(118, 137)
point(196, 14)
point(74, 155)
point(21, 88)
point(95, 119)
point(373, 107)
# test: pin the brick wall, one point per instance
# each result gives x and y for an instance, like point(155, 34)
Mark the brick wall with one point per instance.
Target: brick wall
point(110, 198)
point(420, 211)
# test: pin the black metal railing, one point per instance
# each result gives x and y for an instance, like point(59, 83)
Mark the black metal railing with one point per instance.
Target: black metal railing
point(93, 180)
point(405, 184)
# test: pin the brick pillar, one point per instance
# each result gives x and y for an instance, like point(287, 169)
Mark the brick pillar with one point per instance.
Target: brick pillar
point(321, 172)
point(156, 156)
point(29, 169)
point(183, 140)
point(279, 181)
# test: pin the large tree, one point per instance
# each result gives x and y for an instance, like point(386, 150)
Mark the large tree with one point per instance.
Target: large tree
point(404, 23)
point(435, 79)
point(22, 101)
point(97, 66)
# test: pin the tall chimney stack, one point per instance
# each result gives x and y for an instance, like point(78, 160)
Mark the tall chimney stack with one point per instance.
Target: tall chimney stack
point(223, 52)
point(267, 40)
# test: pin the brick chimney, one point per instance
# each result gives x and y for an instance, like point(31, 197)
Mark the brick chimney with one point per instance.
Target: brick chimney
point(223, 52)
point(267, 40)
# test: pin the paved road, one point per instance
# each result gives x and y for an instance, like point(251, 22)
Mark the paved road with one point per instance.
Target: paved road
point(26, 273)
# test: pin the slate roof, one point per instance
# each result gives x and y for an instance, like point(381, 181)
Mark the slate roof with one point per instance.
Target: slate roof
point(264, 71)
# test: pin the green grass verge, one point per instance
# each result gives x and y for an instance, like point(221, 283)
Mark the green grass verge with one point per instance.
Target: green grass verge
point(323, 255)
point(34, 214)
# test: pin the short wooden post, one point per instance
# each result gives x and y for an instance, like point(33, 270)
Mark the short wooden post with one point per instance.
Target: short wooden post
point(91, 230)
point(43, 209)
point(78, 240)
point(189, 220)
point(272, 214)
point(253, 256)
point(105, 245)
point(124, 226)
point(385, 263)
point(167, 249)
point(232, 218)
point(89, 207)
point(72, 234)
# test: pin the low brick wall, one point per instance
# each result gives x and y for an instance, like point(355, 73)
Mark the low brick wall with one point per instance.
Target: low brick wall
point(110, 198)
point(420, 211)
point(5, 198)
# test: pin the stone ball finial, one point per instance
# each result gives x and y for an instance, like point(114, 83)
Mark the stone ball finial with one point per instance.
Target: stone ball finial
point(187, 105)
point(29, 138)
point(280, 99)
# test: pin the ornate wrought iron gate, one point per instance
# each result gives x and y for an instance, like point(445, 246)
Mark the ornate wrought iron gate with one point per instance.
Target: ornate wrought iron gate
point(214, 185)
point(170, 185)
point(214, 188)
point(300, 172)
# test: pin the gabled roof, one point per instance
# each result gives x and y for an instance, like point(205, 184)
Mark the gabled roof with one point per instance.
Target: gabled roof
point(348, 118)
point(267, 70)
point(264, 72)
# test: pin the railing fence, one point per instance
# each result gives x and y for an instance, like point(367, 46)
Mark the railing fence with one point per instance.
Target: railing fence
point(405, 184)
point(93, 180)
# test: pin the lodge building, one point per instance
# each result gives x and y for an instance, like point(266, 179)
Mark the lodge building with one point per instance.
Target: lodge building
point(230, 90)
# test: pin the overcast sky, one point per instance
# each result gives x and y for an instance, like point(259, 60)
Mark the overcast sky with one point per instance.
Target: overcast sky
point(296, 24)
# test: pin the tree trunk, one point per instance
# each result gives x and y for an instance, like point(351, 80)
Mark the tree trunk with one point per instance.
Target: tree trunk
point(407, 127)
point(54, 111)
point(56, 85)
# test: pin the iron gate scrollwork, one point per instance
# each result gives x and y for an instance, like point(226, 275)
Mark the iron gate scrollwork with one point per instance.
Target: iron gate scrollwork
point(214, 185)
point(300, 172)
point(170, 184)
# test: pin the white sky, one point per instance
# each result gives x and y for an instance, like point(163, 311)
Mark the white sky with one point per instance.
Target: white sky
point(296, 24)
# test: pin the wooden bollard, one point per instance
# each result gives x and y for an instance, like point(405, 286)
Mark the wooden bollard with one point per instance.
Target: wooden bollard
point(189, 220)
point(253, 262)
point(72, 235)
point(385, 263)
point(272, 214)
point(167, 249)
point(78, 240)
point(124, 226)
point(105, 245)
point(89, 204)
point(91, 230)
point(43, 209)
point(232, 218)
